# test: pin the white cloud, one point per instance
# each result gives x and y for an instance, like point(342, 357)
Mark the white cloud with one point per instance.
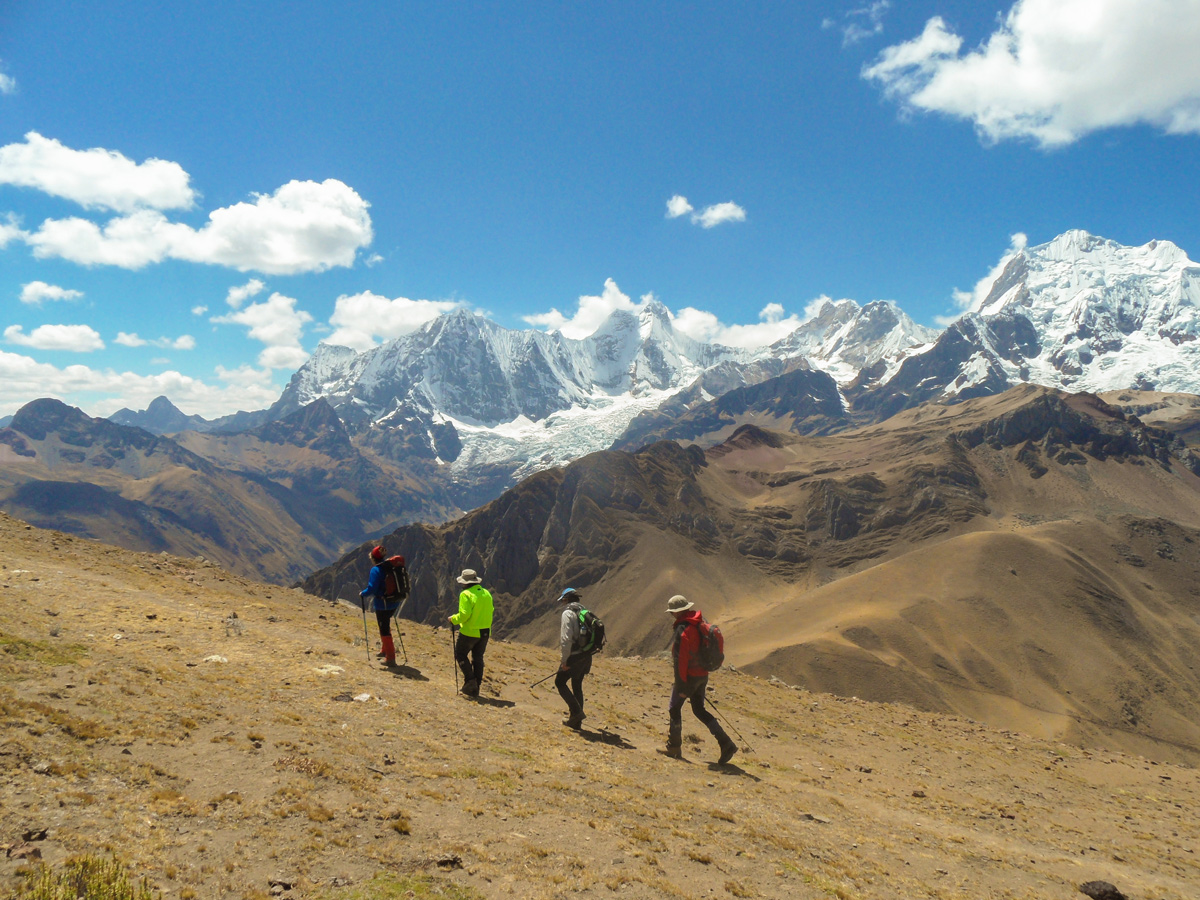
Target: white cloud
point(10, 231)
point(199, 310)
point(710, 216)
point(8, 84)
point(184, 342)
point(276, 323)
point(359, 319)
point(373, 260)
point(718, 214)
point(96, 178)
point(303, 227)
point(590, 315)
point(972, 300)
point(36, 292)
point(239, 295)
point(862, 23)
point(75, 338)
point(1056, 70)
point(678, 206)
point(704, 326)
point(106, 391)
point(129, 340)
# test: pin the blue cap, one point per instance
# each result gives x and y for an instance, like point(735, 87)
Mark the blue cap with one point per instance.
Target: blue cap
point(566, 595)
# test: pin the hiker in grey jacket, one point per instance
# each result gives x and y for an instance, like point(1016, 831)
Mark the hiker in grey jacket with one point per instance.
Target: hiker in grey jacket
point(576, 662)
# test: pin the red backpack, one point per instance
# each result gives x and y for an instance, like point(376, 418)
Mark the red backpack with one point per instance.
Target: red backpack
point(395, 578)
point(711, 654)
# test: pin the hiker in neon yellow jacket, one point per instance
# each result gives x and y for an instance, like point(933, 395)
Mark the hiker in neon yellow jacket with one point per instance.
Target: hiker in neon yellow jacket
point(474, 621)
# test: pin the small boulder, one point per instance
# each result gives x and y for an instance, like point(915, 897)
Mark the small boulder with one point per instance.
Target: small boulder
point(1101, 890)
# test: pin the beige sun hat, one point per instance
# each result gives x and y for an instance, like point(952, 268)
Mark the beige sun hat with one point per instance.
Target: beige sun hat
point(469, 577)
point(679, 603)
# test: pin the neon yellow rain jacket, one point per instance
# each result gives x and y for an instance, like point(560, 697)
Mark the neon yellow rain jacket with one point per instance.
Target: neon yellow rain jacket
point(474, 611)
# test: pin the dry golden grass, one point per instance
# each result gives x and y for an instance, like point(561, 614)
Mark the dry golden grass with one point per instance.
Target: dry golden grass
point(216, 778)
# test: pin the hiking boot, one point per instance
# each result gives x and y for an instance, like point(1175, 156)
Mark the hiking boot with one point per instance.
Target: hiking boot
point(727, 751)
point(574, 720)
point(674, 752)
point(471, 688)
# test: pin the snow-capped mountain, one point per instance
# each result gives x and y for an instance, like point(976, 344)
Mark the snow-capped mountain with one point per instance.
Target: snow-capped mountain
point(472, 394)
point(1080, 313)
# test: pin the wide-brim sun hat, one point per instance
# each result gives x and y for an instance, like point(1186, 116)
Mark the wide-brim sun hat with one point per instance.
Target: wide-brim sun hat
point(679, 603)
point(468, 576)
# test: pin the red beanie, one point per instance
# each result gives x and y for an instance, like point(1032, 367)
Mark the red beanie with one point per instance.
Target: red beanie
point(377, 554)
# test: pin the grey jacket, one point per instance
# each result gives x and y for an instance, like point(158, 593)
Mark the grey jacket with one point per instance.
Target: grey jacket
point(568, 635)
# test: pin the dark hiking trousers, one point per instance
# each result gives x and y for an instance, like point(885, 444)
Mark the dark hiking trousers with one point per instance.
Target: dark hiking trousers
point(693, 689)
point(384, 618)
point(577, 666)
point(472, 647)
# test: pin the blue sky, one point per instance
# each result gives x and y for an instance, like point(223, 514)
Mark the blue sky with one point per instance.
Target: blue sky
point(192, 196)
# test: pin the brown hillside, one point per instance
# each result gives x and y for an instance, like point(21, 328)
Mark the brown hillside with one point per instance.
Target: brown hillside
point(895, 561)
point(229, 738)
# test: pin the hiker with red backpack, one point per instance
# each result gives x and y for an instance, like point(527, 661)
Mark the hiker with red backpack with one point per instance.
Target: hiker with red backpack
point(386, 589)
point(581, 634)
point(696, 650)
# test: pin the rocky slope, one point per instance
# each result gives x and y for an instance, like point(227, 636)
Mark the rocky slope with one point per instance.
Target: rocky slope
point(275, 503)
point(228, 738)
point(869, 562)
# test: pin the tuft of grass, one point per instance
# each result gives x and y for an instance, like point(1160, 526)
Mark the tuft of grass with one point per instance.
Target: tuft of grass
point(90, 876)
point(43, 652)
point(387, 886)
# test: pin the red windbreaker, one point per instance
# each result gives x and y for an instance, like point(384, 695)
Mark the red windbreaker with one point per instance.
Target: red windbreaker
point(687, 646)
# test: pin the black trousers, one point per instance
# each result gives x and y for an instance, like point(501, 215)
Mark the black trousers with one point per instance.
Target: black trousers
point(468, 653)
point(577, 666)
point(693, 690)
point(384, 618)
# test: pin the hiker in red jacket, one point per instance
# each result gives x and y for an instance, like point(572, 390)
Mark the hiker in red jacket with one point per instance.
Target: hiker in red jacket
point(691, 681)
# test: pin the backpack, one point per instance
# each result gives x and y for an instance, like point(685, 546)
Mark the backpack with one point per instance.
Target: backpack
point(395, 578)
point(591, 632)
point(711, 655)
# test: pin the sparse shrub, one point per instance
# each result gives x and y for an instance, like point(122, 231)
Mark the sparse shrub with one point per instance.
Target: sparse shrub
point(90, 876)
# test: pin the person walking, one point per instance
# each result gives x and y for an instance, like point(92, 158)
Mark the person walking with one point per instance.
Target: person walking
point(384, 598)
point(576, 657)
point(691, 681)
point(474, 621)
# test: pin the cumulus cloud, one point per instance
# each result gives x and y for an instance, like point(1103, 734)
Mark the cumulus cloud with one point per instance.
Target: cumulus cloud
point(8, 84)
point(183, 342)
point(10, 231)
point(860, 24)
point(75, 338)
point(276, 323)
point(36, 292)
point(972, 300)
point(359, 320)
point(590, 314)
point(593, 311)
point(304, 226)
point(25, 379)
point(709, 217)
point(1055, 70)
point(772, 325)
point(95, 178)
point(199, 310)
point(718, 214)
point(678, 206)
point(240, 294)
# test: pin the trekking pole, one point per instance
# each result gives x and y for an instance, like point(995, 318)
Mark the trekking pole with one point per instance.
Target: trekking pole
point(454, 659)
point(362, 604)
point(399, 633)
point(547, 678)
point(730, 724)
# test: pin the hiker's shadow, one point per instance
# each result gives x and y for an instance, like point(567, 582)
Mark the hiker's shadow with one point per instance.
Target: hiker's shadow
point(731, 769)
point(606, 737)
point(406, 671)
point(491, 701)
